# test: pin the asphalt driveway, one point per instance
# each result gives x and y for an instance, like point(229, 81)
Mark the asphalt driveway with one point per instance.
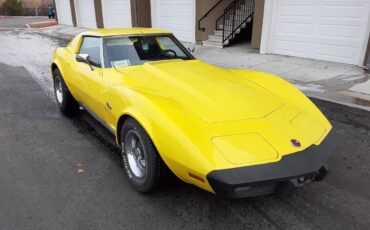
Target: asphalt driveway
point(8, 22)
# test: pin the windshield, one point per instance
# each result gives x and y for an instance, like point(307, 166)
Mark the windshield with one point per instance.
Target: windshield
point(136, 50)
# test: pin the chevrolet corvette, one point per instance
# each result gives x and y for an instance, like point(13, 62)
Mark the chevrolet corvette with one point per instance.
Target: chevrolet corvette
point(235, 133)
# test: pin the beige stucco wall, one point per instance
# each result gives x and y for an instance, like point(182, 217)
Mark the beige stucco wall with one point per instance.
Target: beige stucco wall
point(202, 6)
point(259, 7)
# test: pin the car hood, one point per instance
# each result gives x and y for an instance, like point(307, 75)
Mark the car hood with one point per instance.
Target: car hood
point(213, 94)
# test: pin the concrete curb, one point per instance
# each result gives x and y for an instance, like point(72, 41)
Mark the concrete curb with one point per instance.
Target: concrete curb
point(41, 24)
point(347, 101)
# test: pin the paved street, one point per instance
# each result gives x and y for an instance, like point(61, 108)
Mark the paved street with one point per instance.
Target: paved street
point(60, 173)
point(20, 21)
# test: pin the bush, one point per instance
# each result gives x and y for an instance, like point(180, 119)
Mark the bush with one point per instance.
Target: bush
point(13, 7)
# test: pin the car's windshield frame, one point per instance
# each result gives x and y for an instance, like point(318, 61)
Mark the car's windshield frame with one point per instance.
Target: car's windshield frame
point(189, 56)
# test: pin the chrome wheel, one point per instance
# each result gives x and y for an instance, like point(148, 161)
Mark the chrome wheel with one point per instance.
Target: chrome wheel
point(58, 89)
point(135, 154)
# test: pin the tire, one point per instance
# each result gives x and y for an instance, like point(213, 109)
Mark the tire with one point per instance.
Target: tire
point(67, 104)
point(141, 161)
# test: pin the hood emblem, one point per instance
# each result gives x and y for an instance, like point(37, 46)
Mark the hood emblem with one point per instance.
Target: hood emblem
point(295, 143)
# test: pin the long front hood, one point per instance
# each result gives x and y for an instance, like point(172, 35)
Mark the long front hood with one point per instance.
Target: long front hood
point(211, 93)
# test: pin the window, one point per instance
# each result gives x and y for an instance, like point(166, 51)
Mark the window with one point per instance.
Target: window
point(136, 50)
point(91, 46)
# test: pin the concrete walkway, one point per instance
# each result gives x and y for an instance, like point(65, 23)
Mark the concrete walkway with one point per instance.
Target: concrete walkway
point(336, 82)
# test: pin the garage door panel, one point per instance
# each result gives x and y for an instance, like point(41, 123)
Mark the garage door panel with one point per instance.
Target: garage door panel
point(177, 16)
point(334, 50)
point(291, 47)
point(86, 13)
point(329, 30)
point(64, 14)
point(343, 11)
point(294, 28)
point(296, 10)
point(117, 13)
point(343, 31)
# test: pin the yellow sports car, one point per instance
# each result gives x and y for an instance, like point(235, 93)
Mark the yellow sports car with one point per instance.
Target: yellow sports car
point(235, 133)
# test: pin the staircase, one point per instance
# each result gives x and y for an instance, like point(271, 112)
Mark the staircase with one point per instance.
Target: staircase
point(237, 16)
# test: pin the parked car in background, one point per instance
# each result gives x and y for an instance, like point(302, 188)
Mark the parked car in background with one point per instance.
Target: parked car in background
point(51, 12)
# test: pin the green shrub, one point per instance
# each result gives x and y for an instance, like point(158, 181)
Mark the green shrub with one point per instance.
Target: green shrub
point(13, 7)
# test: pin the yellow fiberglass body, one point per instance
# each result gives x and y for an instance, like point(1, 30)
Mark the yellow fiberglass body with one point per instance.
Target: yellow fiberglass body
point(232, 132)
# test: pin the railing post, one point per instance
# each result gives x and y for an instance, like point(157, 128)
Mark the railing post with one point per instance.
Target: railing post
point(232, 25)
point(223, 29)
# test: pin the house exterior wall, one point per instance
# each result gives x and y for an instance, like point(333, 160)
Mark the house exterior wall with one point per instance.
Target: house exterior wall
point(99, 13)
point(141, 13)
point(259, 6)
point(73, 12)
point(209, 23)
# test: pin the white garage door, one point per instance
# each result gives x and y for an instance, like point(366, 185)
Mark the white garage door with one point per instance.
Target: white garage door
point(85, 11)
point(116, 13)
point(332, 30)
point(63, 8)
point(177, 16)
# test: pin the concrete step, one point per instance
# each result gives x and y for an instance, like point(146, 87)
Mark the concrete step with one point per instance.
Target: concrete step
point(217, 33)
point(212, 44)
point(215, 38)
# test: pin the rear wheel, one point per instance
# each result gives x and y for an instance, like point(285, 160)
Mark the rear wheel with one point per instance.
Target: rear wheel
point(67, 104)
point(141, 162)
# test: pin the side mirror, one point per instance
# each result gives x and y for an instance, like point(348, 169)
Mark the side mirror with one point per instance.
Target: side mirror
point(84, 58)
point(191, 49)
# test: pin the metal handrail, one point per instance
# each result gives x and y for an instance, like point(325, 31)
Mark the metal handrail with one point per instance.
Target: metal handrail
point(237, 20)
point(233, 32)
point(206, 14)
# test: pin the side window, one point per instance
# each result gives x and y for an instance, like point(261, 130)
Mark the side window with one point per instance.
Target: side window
point(91, 46)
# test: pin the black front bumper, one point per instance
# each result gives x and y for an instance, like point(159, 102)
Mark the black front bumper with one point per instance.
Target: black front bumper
point(293, 169)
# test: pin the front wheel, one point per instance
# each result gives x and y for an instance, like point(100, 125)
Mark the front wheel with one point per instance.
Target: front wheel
point(141, 161)
point(67, 104)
